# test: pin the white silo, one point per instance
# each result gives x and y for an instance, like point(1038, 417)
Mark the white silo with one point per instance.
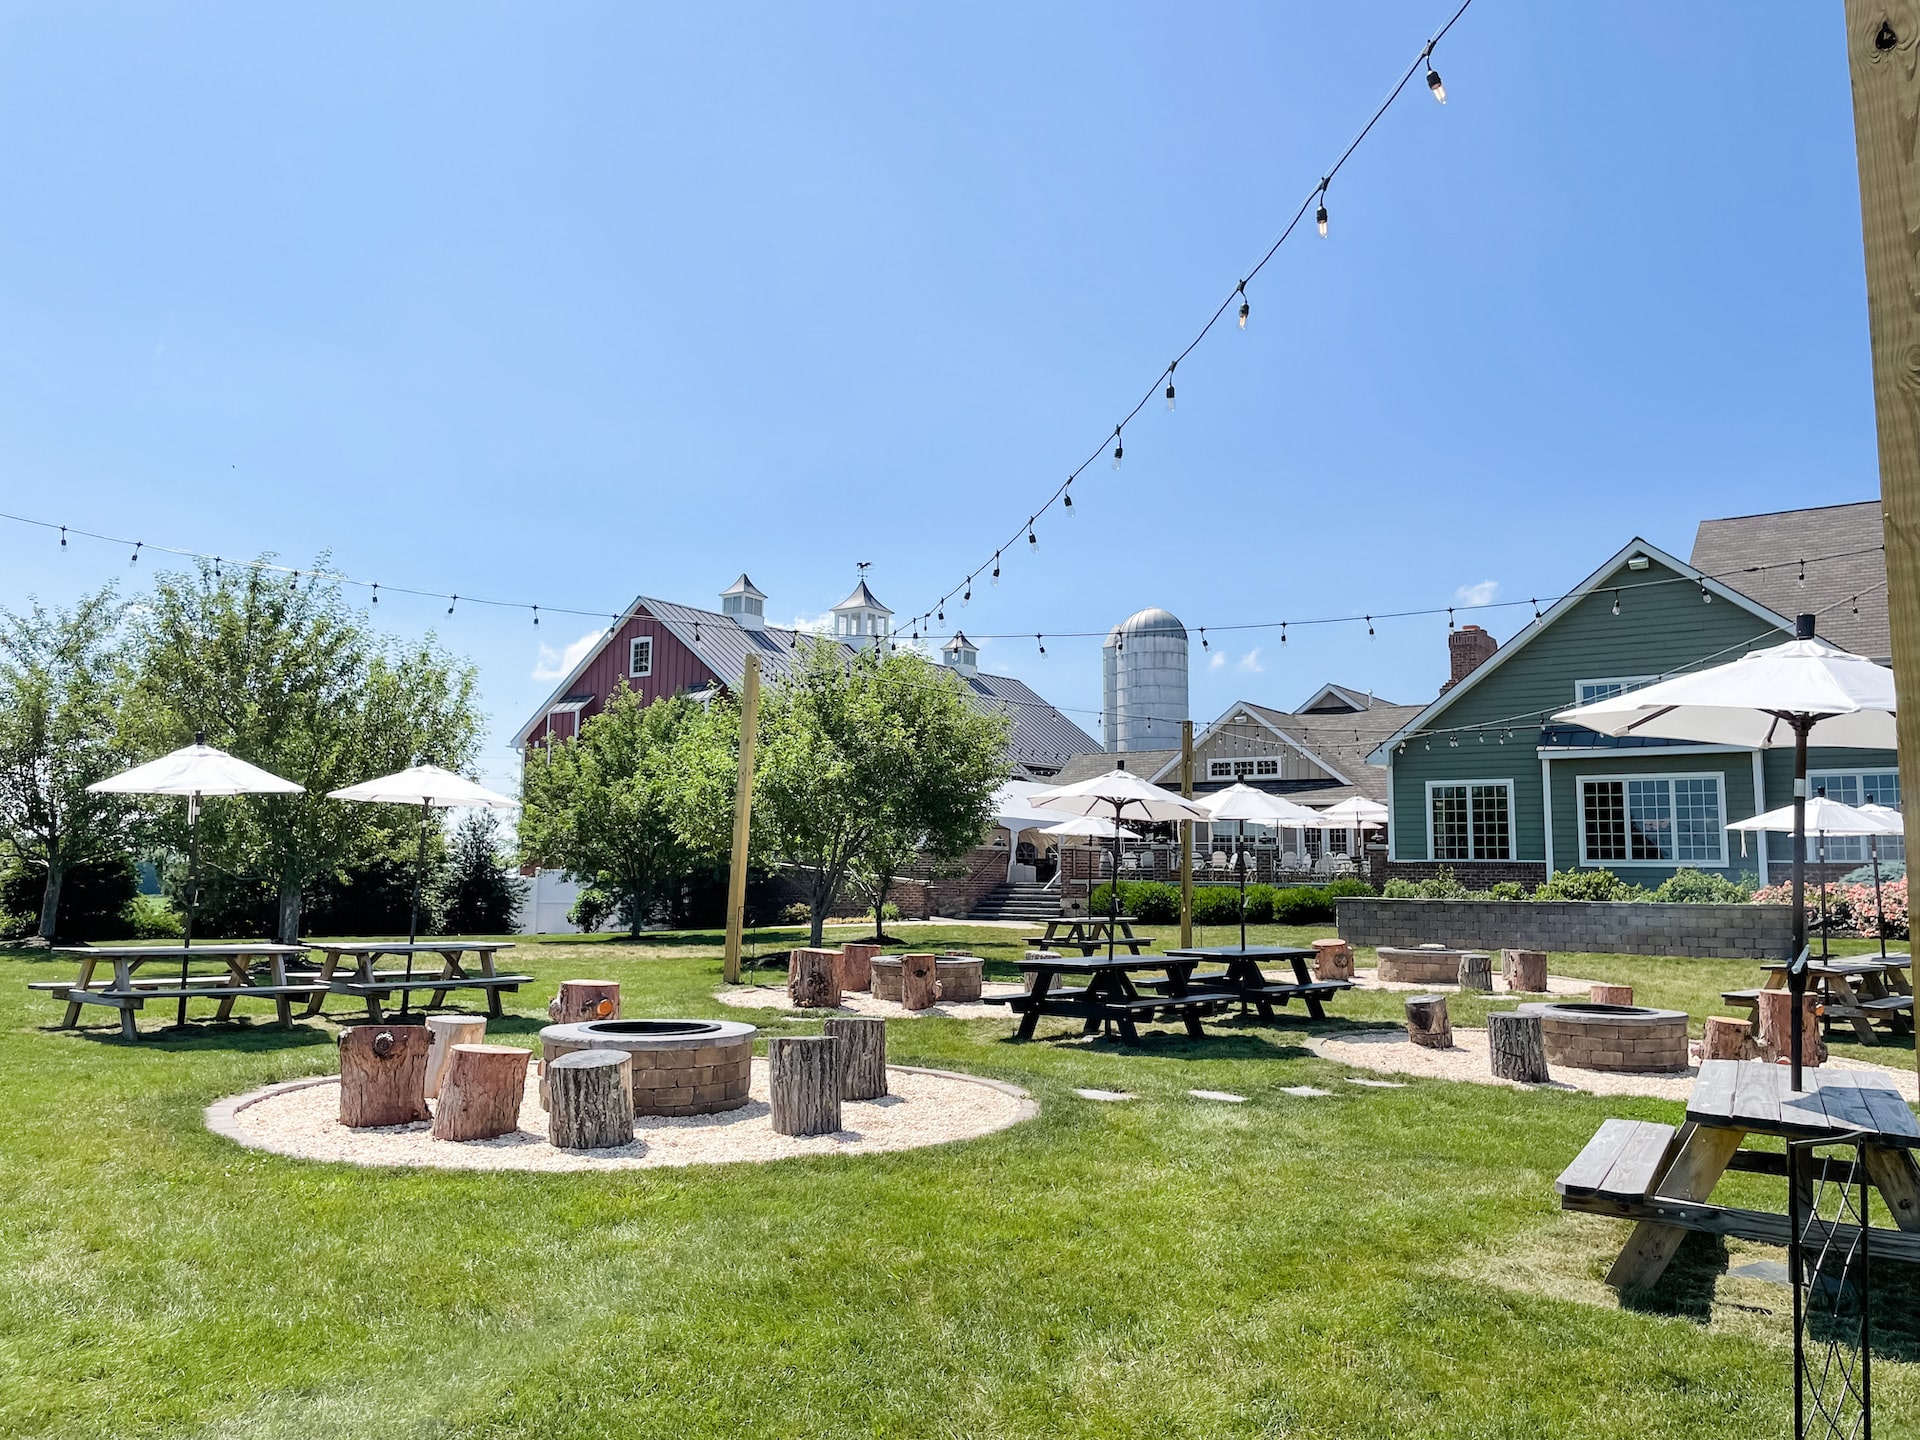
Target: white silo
point(1144, 682)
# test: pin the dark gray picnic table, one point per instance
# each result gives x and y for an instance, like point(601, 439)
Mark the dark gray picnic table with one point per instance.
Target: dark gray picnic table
point(1663, 1179)
point(1244, 977)
point(1090, 933)
point(1110, 1001)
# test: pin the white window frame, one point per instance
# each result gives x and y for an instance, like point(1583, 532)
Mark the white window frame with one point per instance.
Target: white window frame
point(1852, 849)
point(634, 670)
point(1719, 779)
point(1219, 769)
point(1470, 784)
point(1625, 682)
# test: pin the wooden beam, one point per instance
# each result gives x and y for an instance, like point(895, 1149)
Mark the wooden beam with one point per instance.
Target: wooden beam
point(742, 819)
point(1186, 837)
point(1883, 59)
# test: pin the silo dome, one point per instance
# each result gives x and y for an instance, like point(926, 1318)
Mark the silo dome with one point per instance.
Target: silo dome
point(1144, 682)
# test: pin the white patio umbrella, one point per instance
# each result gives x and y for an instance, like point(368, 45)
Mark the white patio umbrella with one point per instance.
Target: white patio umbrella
point(1826, 817)
point(1788, 694)
point(1896, 825)
point(1242, 803)
point(1125, 796)
point(195, 771)
point(429, 787)
point(1354, 813)
point(1092, 825)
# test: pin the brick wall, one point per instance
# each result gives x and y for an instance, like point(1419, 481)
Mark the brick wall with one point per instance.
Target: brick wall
point(1474, 874)
point(1729, 932)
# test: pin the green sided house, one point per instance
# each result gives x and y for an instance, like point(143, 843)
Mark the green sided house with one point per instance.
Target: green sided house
point(1484, 781)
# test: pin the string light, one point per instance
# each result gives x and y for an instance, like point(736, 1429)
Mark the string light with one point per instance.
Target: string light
point(1170, 370)
point(292, 581)
point(1320, 212)
point(1033, 540)
point(63, 537)
point(1066, 498)
point(1616, 602)
point(1203, 640)
point(1119, 449)
point(1041, 643)
point(1803, 572)
point(1706, 595)
point(1246, 308)
point(536, 622)
point(996, 568)
point(967, 598)
point(1449, 617)
point(376, 594)
point(453, 600)
point(1433, 78)
point(217, 575)
point(1283, 632)
point(134, 559)
point(1369, 627)
point(1536, 607)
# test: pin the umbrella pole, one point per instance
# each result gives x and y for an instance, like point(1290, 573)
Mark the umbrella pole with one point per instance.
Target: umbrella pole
point(413, 910)
point(193, 899)
point(1113, 890)
point(1243, 885)
point(1879, 912)
point(1797, 961)
point(1823, 894)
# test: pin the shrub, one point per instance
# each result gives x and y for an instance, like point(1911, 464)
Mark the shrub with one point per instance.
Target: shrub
point(1150, 901)
point(1588, 885)
point(1507, 890)
point(1849, 907)
point(798, 913)
point(1303, 905)
point(1260, 900)
point(154, 918)
point(1696, 887)
point(1399, 889)
point(1214, 905)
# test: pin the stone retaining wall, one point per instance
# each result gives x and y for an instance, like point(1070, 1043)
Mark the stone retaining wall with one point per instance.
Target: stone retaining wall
point(1722, 932)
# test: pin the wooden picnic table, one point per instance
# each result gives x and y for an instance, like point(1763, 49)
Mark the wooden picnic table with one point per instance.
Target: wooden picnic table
point(1244, 977)
point(1865, 991)
point(243, 976)
point(1663, 1179)
point(1110, 1000)
point(366, 981)
point(1090, 933)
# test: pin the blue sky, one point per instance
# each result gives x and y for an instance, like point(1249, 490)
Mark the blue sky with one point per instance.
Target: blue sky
point(569, 306)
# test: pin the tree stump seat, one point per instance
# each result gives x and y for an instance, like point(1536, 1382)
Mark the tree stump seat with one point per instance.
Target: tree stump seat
point(813, 979)
point(1476, 970)
point(383, 1075)
point(1517, 1047)
point(480, 1093)
point(591, 1095)
point(448, 1031)
point(1525, 971)
point(862, 1055)
point(856, 965)
point(1427, 1023)
point(803, 1078)
point(919, 981)
point(585, 1000)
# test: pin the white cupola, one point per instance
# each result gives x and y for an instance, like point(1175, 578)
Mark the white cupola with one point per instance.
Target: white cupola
point(961, 654)
point(860, 619)
point(744, 601)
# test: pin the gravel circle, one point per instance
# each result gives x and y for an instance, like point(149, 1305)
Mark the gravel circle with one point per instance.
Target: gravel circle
point(859, 1002)
point(1389, 1052)
point(927, 1107)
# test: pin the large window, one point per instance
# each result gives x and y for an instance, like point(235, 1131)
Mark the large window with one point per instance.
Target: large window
point(1249, 769)
point(1470, 820)
point(640, 658)
point(1857, 787)
point(1652, 820)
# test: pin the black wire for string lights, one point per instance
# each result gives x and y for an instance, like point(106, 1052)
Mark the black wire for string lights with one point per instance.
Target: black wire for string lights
point(1316, 201)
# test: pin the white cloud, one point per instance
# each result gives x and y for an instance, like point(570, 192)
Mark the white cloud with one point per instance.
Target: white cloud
point(812, 624)
point(558, 664)
point(1483, 593)
point(1219, 659)
point(1251, 661)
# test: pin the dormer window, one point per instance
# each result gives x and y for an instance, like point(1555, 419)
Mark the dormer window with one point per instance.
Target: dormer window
point(640, 657)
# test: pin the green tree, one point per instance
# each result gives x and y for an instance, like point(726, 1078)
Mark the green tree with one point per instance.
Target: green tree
point(479, 893)
point(287, 675)
point(59, 732)
point(868, 760)
point(632, 806)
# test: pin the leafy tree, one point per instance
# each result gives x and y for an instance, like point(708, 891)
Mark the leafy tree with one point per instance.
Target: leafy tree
point(59, 733)
point(867, 760)
point(479, 893)
point(289, 677)
point(632, 805)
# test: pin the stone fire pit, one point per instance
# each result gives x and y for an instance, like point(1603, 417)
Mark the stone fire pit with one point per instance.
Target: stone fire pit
point(1612, 1037)
point(680, 1067)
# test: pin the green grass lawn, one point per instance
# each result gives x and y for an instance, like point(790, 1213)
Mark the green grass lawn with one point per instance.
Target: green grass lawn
point(1378, 1262)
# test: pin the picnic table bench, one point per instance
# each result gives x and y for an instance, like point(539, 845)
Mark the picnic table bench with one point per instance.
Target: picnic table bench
point(1662, 1178)
point(1244, 978)
point(248, 971)
point(366, 982)
point(1091, 933)
point(1110, 1001)
point(1865, 992)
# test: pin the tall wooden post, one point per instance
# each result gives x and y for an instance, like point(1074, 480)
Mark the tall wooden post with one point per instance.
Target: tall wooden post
point(1186, 836)
point(1883, 57)
point(742, 818)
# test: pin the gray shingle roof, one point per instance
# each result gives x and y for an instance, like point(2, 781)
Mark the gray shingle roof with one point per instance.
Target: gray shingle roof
point(1344, 742)
point(1140, 762)
point(1733, 549)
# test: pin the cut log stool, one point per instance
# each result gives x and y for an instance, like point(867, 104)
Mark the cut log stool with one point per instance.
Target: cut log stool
point(1517, 1045)
point(448, 1031)
point(592, 1099)
point(1610, 994)
point(481, 1092)
point(1728, 1038)
point(919, 982)
point(856, 966)
point(813, 979)
point(1525, 971)
point(1427, 1022)
point(1476, 970)
point(863, 1057)
point(580, 1000)
point(383, 1075)
point(1776, 1040)
point(1332, 960)
point(803, 1082)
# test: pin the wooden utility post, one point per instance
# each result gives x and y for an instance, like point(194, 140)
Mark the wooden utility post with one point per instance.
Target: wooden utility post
point(1186, 837)
point(742, 818)
point(1883, 57)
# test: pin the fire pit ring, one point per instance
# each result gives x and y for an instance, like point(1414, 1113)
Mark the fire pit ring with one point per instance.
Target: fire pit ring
point(680, 1067)
point(1589, 1036)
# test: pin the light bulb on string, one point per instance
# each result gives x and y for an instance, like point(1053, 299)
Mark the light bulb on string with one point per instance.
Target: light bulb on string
point(1369, 627)
point(1535, 602)
point(1803, 572)
point(1033, 540)
point(1170, 385)
point(134, 559)
point(1203, 640)
point(1616, 602)
point(1066, 497)
point(1449, 617)
point(1246, 308)
point(966, 596)
point(1041, 643)
point(453, 600)
point(376, 593)
point(216, 569)
point(1320, 211)
point(1433, 78)
point(1119, 447)
point(1706, 595)
point(996, 567)
point(536, 622)
point(293, 580)
point(63, 537)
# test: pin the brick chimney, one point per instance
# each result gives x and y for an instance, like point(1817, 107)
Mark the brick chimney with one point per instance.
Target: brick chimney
point(1468, 648)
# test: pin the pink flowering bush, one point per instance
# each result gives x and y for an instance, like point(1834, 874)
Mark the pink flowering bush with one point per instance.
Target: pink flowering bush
point(1850, 906)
